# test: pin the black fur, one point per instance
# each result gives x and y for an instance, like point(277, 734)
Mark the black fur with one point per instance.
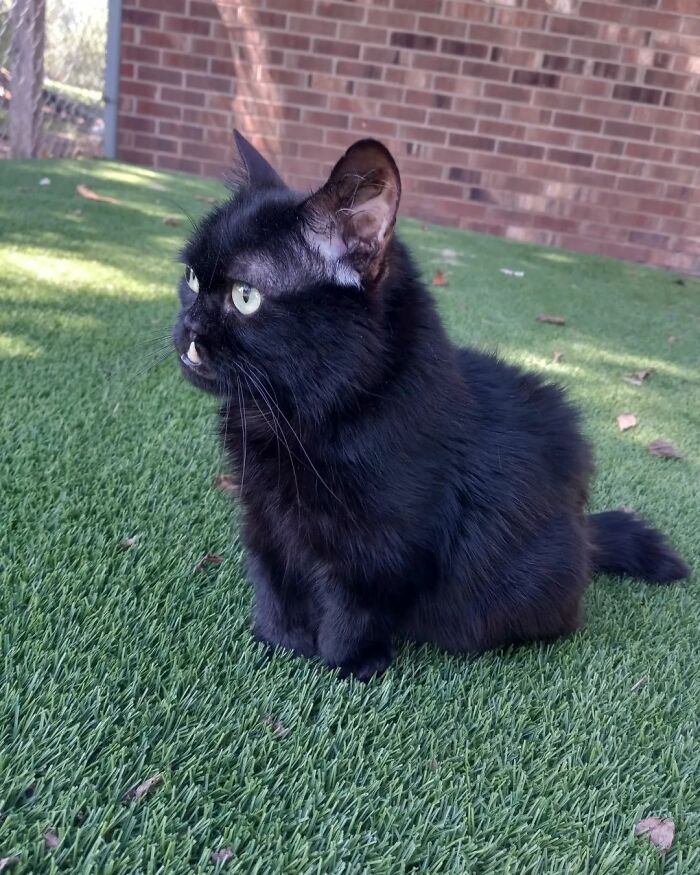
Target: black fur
point(393, 486)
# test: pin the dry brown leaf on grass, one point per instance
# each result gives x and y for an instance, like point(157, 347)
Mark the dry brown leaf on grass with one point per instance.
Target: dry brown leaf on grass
point(91, 195)
point(209, 559)
point(439, 279)
point(51, 839)
point(636, 378)
point(553, 320)
point(222, 856)
point(138, 791)
point(626, 420)
point(659, 831)
point(6, 862)
point(171, 220)
point(665, 449)
point(557, 356)
point(226, 483)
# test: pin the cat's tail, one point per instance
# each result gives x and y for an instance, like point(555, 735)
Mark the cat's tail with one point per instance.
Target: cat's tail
point(623, 544)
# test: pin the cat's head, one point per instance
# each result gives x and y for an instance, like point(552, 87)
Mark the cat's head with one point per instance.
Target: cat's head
point(287, 287)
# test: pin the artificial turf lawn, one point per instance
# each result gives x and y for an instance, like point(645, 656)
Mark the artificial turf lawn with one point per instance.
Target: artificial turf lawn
point(121, 664)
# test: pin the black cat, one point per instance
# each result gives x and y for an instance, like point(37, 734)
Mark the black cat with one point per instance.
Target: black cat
point(393, 486)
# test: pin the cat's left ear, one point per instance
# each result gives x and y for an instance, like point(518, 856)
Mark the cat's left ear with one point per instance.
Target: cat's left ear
point(354, 214)
point(255, 171)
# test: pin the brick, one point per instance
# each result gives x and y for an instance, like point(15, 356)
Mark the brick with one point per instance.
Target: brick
point(412, 78)
point(140, 18)
point(464, 49)
point(180, 131)
point(488, 108)
point(401, 112)
point(198, 8)
point(451, 121)
point(155, 144)
point(311, 63)
point(159, 74)
point(437, 63)
point(637, 94)
point(361, 71)
point(567, 156)
point(137, 123)
point(414, 41)
point(380, 54)
point(429, 99)
point(220, 84)
point(577, 122)
point(181, 96)
point(627, 130)
point(520, 150)
point(162, 40)
point(562, 63)
point(138, 89)
point(158, 110)
point(546, 42)
point(506, 92)
point(285, 40)
point(496, 36)
point(532, 115)
point(362, 34)
point(305, 97)
point(423, 134)
point(336, 48)
point(535, 79)
point(441, 26)
point(485, 71)
point(406, 21)
point(140, 54)
point(572, 26)
point(462, 174)
point(185, 61)
point(315, 26)
point(607, 109)
point(551, 137)
point(515, 57)
point(339, 11)
point(324, 119)
point(465, 141)
point(182, 24)
point(599, 51)
point(663, 79)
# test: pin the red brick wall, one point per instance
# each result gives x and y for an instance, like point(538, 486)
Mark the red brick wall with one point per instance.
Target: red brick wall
point(574, 123)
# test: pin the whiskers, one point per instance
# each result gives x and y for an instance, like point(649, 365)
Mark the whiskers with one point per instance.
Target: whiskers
point(259, 384)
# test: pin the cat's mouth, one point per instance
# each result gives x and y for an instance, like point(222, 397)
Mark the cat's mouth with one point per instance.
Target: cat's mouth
point(193, 362)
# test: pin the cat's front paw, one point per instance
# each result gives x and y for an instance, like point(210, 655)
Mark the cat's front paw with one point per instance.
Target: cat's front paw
point(372, 660)
point(300, 641)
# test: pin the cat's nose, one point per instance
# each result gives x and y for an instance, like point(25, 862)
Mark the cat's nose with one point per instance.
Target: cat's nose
point(192, 323)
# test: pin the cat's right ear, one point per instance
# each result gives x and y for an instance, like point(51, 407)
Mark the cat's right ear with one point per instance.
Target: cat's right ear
point(253, 171)
point(352, 217)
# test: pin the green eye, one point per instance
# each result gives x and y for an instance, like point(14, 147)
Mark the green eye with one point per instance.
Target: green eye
point(245, 298)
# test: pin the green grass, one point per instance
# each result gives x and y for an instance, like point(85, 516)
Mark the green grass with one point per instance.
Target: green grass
point(121, 664)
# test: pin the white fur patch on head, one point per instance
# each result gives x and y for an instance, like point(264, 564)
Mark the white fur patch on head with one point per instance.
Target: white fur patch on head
point(332, 251)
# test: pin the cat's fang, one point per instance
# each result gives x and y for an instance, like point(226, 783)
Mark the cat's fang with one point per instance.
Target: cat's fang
point(193, 355)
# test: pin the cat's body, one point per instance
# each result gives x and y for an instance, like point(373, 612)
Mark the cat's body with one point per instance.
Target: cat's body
point(393, 486)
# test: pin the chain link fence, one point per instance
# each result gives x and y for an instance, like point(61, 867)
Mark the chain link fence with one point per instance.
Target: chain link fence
point(52, 66)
